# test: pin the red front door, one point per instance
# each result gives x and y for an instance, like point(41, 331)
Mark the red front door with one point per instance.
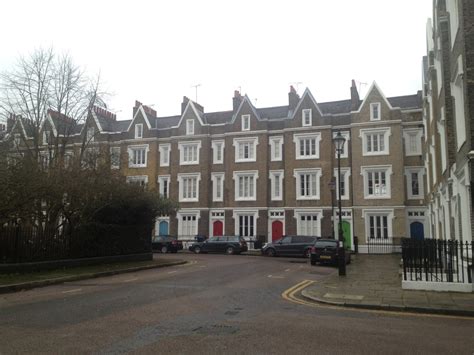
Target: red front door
point(217, 228)
point(277, 230)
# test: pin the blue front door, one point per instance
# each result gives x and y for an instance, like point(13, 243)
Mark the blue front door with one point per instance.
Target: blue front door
point(163, 228)
point(417, 231)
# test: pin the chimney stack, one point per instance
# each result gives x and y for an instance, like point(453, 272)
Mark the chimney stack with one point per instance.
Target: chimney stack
point(105, 113)
point(293, 98)
point(184, 104)
point(236, 100)
point(355, 100)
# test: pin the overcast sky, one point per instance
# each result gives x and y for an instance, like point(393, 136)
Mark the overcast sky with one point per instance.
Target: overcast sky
point(155, 51)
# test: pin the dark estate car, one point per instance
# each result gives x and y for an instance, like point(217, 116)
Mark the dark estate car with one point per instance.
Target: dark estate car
point(166, 244)
point(296, 245)
point(327, 251)
point(224, 244)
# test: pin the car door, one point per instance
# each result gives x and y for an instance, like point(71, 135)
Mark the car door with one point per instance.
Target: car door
point(221, 244)
point(297, 245)
point(209, 245)
point(283, 247)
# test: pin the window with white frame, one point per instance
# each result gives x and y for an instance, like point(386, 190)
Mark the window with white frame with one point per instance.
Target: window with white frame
point(245, 185)
point(307, 119)
point(377, 181)
point(245, 149)
point(218, 152)
point(140, 180)
point(115, 157)
point(307, 145)
point(412, 139)
point(139, 130)
point(344, 185)
point(276, 148)
point(16, 140)
point(245, 122)
point(246, 223)
point(46, 137)
point(165, 150)
point(137, 155)
point(164, 185)
point(217, 186)
point(308, 223)
point(90, 134)
point(378, 224)
point(307, 183)
point(415, 188)
point(90, 158)
point(188, 224)
point(189, 152)
point(189, 187)
point(276, 184)
point(189, 127)
point(457, 91)
point(375, 111)
point(345, 149)
point(68, 156)
point(375, 141)
point(44, 159)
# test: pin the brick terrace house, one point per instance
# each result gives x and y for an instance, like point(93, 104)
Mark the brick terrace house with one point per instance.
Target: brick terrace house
point(266, 171)
point(448, 106)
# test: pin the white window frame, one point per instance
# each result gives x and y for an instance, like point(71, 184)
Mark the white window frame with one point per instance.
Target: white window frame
point(247, 140)
point(457, 92)
point(90, 133)
point(193, 230)
point(420, 170)
point(130, 150)
point(315, 194)
point(181, 178)
point(305, 123)
point(164, 181)
point(236, 177)
point(379, 111)
point(189, 127)
point(299, 138)
point(141, 179)
point(308, 212)
point(366, 132)
point(345, 176)
point(345, 150)
point(139, 130)
point(46, 137)
point(274, 142)
point(217, 191)
point(243, 213)
point(365, 170)
point(218, 146)
point(415, 133)
point(245, 122)
point(165, 151)
point(276, 177)
point(113, 152)
point(182, 147)
point(367, 213)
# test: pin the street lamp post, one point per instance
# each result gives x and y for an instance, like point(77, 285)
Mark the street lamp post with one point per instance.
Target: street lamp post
point(332, 187)
point(339, 141)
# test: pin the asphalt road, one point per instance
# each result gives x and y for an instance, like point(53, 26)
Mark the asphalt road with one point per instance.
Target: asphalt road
point(215, 304)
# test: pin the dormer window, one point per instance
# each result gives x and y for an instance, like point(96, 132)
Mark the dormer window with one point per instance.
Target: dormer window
point(189, 127)
point(307, 118)
point(245, 122)
point(375, 111)
point(139, 130)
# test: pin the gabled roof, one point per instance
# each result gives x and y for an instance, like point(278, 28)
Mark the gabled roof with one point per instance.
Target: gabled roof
point(374, 86)
point(245, 99)
point(406, 102)
point(145, 117)
point(307, 92)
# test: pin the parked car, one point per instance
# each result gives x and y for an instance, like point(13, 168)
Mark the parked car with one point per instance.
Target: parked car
point(166, 244)
point(296, 245)
point(326, 251)
point(229, 244)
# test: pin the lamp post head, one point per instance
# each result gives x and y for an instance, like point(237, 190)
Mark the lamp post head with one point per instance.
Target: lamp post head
point(339, 141)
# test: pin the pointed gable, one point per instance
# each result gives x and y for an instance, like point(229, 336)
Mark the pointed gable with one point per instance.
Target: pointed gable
point(374, 107)
point(192, 118)
point(307, 111)
point(246, 116)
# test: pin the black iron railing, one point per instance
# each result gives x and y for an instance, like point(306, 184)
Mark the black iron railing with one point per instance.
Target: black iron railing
point(436, 260)
point(383, 245)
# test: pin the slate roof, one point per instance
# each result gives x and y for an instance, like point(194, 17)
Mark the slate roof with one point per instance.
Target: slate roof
point(218, 117)
point(335, 107)
point(273, 112)
point(406, 102)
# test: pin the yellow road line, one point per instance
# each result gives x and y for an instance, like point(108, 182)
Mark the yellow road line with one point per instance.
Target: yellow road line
point(75, 290)
point(290, 295)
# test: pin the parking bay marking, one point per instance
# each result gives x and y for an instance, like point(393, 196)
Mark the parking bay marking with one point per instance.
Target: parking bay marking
point(276, 277)
point(74, 290)
point(130, 280)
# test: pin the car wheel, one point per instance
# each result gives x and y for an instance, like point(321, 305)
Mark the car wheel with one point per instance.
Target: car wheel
point(164, 249)
point(270, 252)
point(197, 250)
point(229, 250)
point(307, 253)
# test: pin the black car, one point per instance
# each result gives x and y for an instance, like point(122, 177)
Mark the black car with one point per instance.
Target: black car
point(223, 244)
point(326, 251)
point(166, 244)
point(296, 245)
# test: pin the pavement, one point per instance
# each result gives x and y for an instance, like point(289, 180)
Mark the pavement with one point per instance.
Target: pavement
point(374, 282)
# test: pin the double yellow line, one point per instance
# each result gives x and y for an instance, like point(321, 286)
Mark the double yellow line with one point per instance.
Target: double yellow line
point(290, 294)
